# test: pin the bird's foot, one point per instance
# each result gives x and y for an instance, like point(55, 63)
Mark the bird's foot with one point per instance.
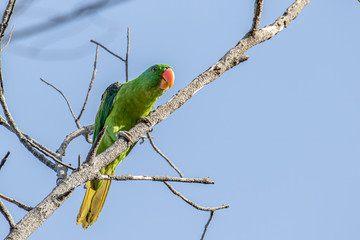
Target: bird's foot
point(126, 135)
point(147, 121)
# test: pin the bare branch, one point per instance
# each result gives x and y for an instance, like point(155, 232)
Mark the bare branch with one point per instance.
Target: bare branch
point(90, 85)
point(9, 39)
point(161, 154)
point(204, 180)
point(79, 162)
point(39, 146)
point(45, 151)
point(127, 55)
point(4, 159)
point(12, 127)
point(192, 203)
point(54, 158)
point(62, 94)
point(207, 224)
point(6, 17)
point(77, 119)
point(4, 122)
point(81, 131)
point(112, 53)
point(257, 16)
point(92, 153)
point(4, 23)
point(7, 215)
point(30, 140)
point(36, 217)
point(174, 191)
point(126, 60)
point(17, 203)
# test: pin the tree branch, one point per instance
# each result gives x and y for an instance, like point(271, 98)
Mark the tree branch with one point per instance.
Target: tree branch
point(17, 203)
point(207, 224)
point(9, 39)
point(127, 55)
point(4, 159)
point(6, 17)
point(192, 203)
point(78, 132)
point(35, 218)
point(90, 86)
point(204, 180)
point(33, 144)
point(63, 95)
point(55, 158)
point(92, 152)
point(109, 51)
point(257, 16)
point(19, 134)
point(161, 154)
point(77, 119)
point(7, 215)
point(4, 23)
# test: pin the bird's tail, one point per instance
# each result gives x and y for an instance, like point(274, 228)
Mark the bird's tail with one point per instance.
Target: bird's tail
point(92, 204)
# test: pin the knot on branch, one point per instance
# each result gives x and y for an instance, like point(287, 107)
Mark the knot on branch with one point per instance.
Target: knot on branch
point(64, 196)
point(217, 69)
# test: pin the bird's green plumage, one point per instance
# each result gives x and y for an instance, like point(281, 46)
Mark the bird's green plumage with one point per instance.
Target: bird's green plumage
point(107, 100)
point(121, 107)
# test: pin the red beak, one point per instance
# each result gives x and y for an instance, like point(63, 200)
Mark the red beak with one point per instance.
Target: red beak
point(167, 79)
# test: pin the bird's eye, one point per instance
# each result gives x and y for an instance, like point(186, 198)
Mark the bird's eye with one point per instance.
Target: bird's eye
point(154, 69)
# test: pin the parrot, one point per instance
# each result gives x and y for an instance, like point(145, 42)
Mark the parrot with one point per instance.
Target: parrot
point(121, 107)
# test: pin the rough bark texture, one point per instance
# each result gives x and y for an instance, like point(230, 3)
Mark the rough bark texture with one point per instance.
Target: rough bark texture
point(36, 217)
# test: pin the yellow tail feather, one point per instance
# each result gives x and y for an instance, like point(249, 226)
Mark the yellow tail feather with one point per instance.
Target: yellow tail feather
point(92, 204)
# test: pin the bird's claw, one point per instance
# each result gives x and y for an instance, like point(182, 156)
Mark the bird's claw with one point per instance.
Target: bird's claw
point(147, 121)
point(126, 135)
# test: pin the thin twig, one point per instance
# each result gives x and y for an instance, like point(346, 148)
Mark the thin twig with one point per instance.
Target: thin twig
point(90, 85)
point(79, 162)
point(4, 159)
point(4, 122)
point(17, 203)
point(52, 157)
point(7, 215)
point(257, 16)
point(127, 55)
point(207, 224)
point(39, 146)
point(194, 204)
point(4, 23)
point(6, 17)
point(92, 153)
point(112, 53)
point(78, 132)
point(12, 127)
point(204, 180)
point(62, 94)
point(9, 39)
point(30, 140)
point(161, 154)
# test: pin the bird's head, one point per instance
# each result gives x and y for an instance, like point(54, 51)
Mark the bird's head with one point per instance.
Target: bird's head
point(159, 77)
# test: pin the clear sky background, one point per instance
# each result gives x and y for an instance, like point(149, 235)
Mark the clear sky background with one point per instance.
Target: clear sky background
point(279, 134)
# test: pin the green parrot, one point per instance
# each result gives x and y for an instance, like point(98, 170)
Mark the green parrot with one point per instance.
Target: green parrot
point(122, 105)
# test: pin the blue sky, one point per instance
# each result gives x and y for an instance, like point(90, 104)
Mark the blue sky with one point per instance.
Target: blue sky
point(279, 134)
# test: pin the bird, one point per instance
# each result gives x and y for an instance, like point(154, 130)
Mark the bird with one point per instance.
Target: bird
point(122, 106)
